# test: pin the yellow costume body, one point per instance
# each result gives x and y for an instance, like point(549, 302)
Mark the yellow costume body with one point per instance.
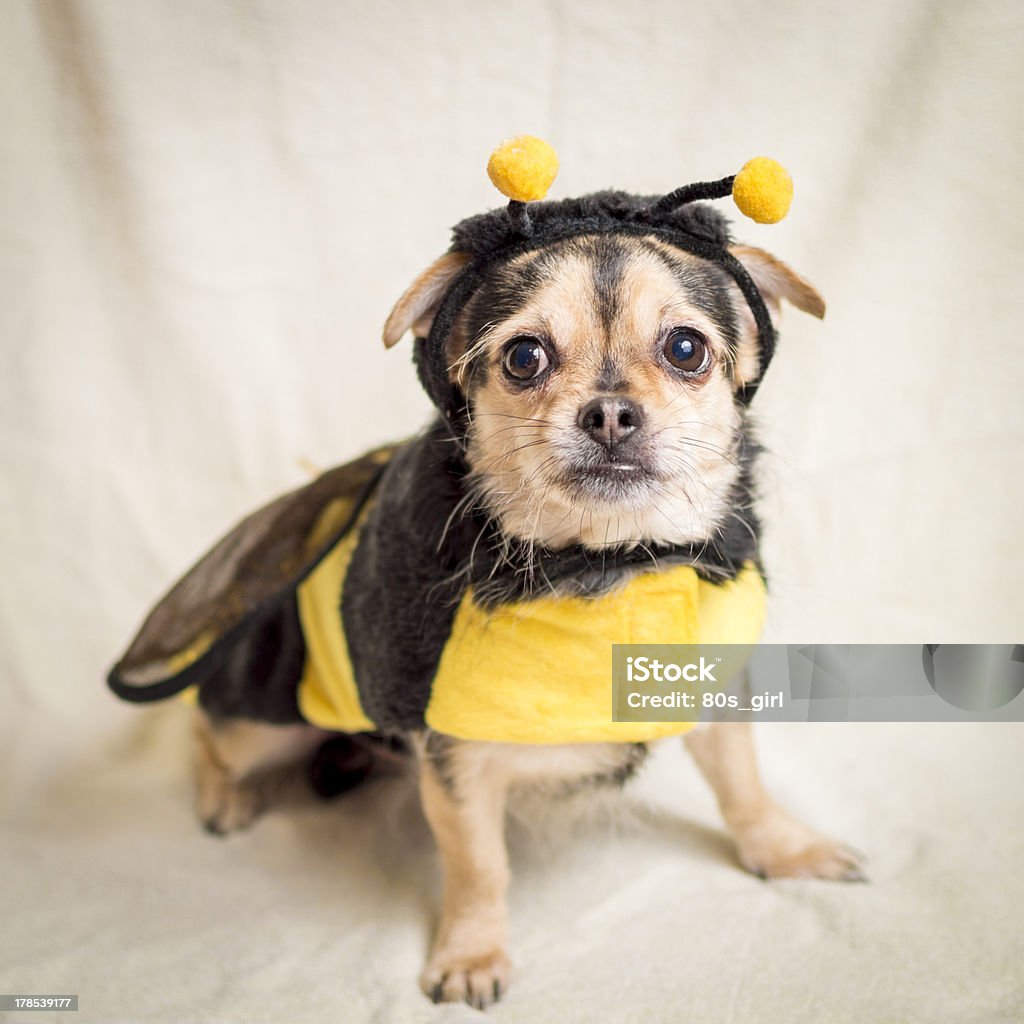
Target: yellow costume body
point(535, 671)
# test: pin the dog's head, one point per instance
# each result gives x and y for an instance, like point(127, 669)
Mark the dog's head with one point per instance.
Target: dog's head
point(603, 376)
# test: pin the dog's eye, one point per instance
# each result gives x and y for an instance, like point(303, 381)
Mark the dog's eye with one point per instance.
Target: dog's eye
point(687, 350)
point(525, 358)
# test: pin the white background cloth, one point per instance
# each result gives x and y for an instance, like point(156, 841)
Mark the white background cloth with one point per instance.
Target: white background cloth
point(206, 211)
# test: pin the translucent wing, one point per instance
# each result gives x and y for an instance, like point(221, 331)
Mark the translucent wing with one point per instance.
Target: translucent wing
point(265, 555)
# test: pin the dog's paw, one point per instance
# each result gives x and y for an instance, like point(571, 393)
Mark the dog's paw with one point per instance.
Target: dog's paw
point(224, 806)
point(477, 980)
point(779, 846)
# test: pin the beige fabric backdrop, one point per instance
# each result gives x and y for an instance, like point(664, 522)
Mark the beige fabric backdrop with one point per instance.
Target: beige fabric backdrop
point(206, 209)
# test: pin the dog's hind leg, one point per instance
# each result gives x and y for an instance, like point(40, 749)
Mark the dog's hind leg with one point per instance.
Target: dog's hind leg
point(237, 764)
point(770, 842)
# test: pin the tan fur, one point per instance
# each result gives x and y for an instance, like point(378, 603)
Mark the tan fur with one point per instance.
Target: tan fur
point(775, 281)
point(416, 306)
point(516, 448)
point(516, 439)
point(464, 801)
point(468, 961)
point(769, 841)
point(235, 766)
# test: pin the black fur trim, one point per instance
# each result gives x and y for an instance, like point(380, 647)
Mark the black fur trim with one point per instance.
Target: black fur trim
point(488, 233)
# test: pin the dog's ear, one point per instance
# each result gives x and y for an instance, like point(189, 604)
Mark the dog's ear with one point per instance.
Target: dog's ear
point(776, 282)
point(418, 306)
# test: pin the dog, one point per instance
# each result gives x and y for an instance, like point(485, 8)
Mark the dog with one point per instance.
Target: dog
point(594, 429)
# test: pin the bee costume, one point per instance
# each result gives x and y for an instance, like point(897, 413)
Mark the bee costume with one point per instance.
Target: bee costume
point(362, 603)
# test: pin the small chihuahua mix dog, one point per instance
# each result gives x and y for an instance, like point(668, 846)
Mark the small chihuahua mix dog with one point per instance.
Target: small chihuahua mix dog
point(592, 361)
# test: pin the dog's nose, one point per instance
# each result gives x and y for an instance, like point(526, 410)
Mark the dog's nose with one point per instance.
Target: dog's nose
point(610, 421)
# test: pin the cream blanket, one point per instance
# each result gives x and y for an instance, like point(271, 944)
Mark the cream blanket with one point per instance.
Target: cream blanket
point(206, 210)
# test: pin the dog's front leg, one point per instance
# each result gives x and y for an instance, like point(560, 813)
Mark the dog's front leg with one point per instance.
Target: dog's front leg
point(769, 841)
point(463, 795)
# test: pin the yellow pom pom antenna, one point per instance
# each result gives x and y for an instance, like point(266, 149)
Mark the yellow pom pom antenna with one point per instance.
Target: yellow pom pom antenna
point(523, 168)
point(763, 190)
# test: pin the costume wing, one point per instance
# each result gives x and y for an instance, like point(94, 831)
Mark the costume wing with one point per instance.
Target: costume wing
point(267, 553)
